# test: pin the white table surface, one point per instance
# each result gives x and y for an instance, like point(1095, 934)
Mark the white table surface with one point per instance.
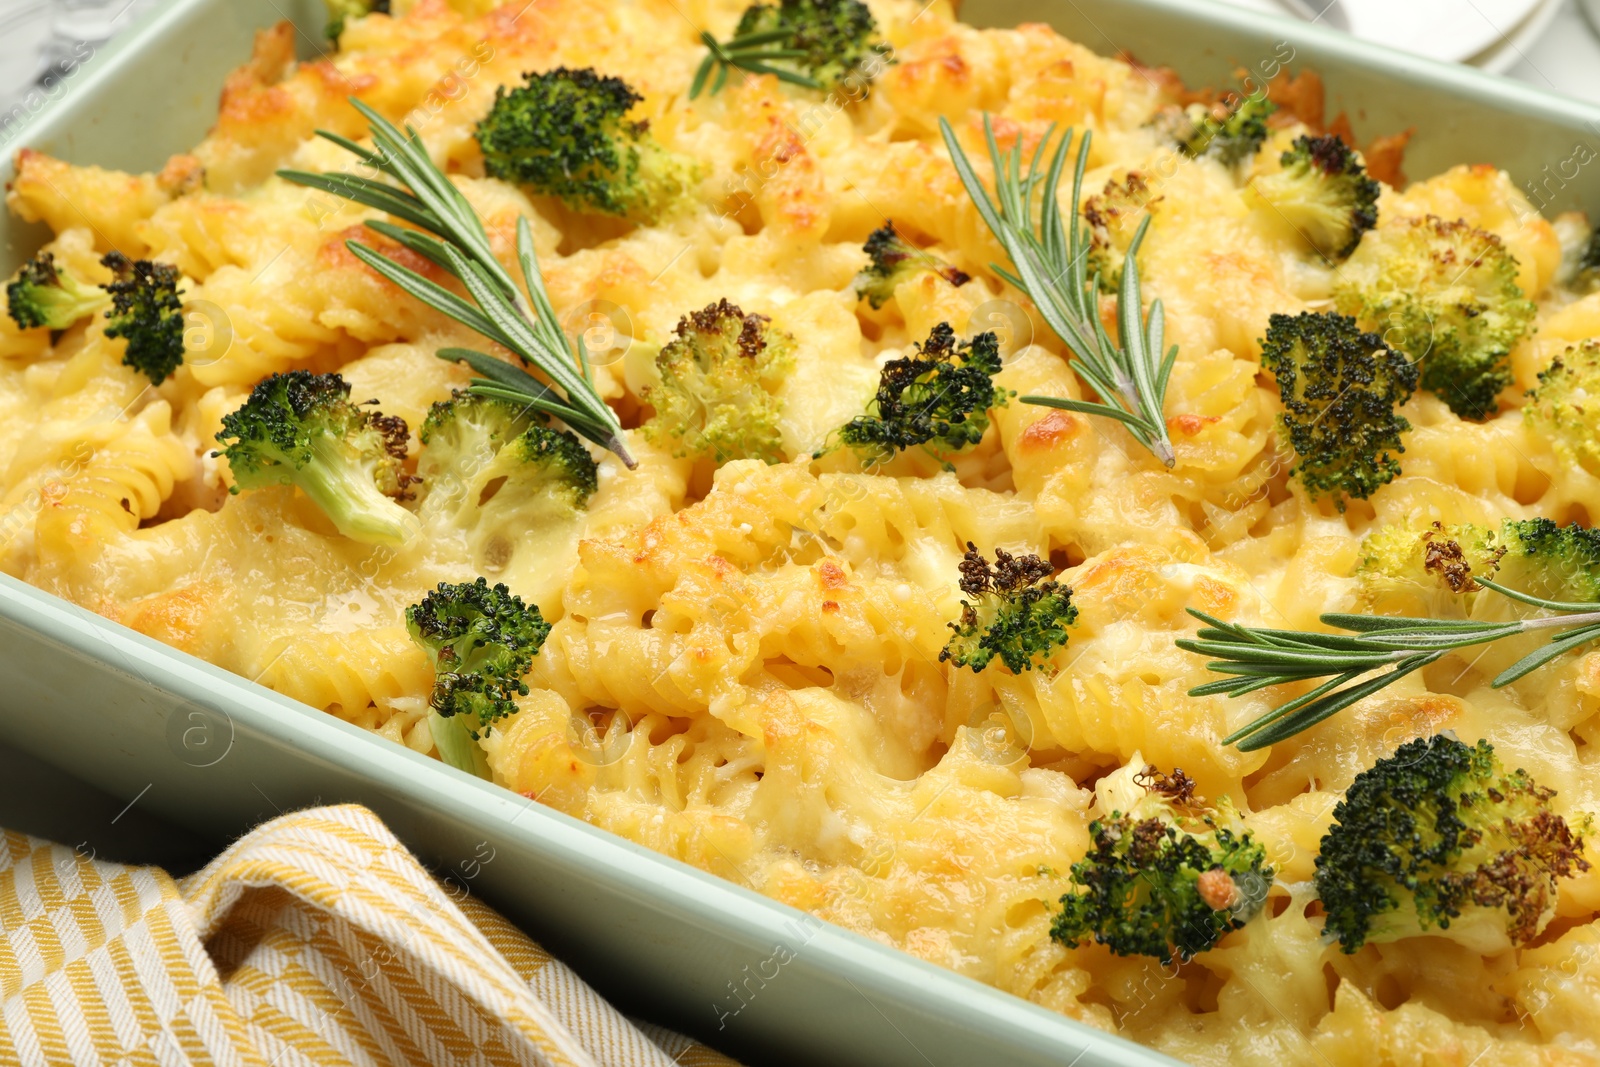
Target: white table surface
point(43, 801)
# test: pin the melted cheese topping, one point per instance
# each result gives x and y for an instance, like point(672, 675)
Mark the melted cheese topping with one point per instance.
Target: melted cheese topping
point(744, 668)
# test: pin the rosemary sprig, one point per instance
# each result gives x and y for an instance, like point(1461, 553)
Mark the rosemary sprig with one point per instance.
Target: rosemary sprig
point(1051, 266)
point(752, 52)
point(495, 307)
point(1255, 658)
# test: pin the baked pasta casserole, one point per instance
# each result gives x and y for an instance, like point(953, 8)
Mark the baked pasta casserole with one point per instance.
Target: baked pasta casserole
point(1122, 542)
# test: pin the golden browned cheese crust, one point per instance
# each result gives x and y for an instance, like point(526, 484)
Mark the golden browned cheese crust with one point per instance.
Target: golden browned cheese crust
point(743, 671)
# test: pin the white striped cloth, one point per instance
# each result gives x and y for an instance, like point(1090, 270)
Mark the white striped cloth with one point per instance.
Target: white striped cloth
point(316, 940)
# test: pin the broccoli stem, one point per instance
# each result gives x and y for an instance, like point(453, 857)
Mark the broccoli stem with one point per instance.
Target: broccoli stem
point(456, 745)
point(349, 497)
point(72, 301)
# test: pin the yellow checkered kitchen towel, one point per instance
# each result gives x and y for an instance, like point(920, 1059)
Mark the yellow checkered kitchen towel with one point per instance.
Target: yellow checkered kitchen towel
point(317, 939)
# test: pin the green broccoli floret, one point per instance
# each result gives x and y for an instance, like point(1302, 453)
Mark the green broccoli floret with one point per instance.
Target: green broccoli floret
point(1548, 560)
point(836, 38)
point(1446, 295)
point(43, 294)
point(938, 398)
point(494, 474)
point(1323, 192)
point(469, 425)
point(565, 133)
point(1341, 389)
point(490, 449)
point(1438, 835)
point(550, 466)
point(896, 260)
point(1113, 217)
point(461, 438)
point(1230, 133)
point(481, 642)
point(339, 11)
point(146, 311)
point(1166, 879)
point(718, 374)
point(301, 429)
point(1565, 404)
point(1014, 614)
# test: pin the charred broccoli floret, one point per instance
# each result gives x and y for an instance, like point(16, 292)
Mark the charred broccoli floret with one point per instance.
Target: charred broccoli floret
point(1437, 554)
point(1565, 405)
point(1014, 613)
point(836, 39)
point(301, 429)
point(339, 11)
point(1341, 389)
point(1424, 572)
point(565, 133)
point(1535, 556)
point(1166, 878)
point(1114, 217)
point(145, 308)
point(1323, 192)
point(895, 260)
point(1230, 132)
point(716, 397)
point(938, 398)
point(43, 294)
point(481, 641)
point(1439, 836)
point(1446, 295)
point(146, 312)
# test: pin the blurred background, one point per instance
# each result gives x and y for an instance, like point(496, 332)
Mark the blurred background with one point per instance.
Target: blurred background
point(1547, 43)
point(34, 34)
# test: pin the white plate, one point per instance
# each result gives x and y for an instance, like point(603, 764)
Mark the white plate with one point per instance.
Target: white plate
point(1507, 53)
point(1452, 30)
point(24, 26)
point(1487, 33)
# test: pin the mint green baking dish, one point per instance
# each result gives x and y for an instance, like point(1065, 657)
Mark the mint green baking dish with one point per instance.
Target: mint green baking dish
point(216, 753)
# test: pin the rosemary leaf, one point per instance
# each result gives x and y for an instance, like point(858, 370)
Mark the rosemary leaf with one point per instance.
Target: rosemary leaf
point(450, 235)
point(1049, 260)
point(1256, 657)
point(1304, 718)
point(1534, 660)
